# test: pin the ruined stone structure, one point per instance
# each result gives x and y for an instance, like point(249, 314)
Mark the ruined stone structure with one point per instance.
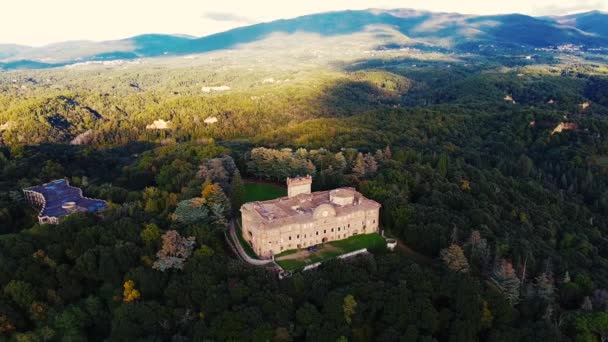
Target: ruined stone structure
point(57, 199)
point(306, 218)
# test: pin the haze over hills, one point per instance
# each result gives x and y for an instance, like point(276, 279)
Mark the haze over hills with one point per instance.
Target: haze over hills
point(452, 31)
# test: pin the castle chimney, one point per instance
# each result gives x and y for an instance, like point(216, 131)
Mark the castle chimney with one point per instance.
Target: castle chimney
point(298, 185)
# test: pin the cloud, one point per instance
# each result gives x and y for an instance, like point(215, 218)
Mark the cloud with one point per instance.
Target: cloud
point(569, 8)
point(225, 16)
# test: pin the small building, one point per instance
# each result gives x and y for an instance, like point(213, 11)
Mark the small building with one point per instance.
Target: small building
point(58, 198)
point(305, 218)
point(159, 124)
point(210, 120)
point(564, 126)
point(509, 98)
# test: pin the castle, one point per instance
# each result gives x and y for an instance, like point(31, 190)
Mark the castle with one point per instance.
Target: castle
point(306, 218)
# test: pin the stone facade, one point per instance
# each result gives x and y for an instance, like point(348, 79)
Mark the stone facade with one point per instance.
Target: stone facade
point(306, 218)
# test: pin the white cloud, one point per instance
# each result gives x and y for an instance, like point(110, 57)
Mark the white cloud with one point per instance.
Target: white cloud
point(38, 22)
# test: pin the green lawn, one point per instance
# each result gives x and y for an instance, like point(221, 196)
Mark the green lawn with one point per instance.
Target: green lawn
point(246, 246)
point(263, 191)
point(331, 250)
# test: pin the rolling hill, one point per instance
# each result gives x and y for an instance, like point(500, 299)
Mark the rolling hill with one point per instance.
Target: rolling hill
point(457, 32)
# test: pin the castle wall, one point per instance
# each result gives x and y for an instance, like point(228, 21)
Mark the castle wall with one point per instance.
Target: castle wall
point(267, 241)
point(294, 190)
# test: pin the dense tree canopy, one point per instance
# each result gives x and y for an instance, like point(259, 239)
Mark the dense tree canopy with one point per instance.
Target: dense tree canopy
point(503, 223)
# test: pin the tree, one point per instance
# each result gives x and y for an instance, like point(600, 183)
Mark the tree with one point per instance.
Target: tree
point(130, 293)
point(51, 170)
point(387, 152)
point(600, 299)
point(216, 199)
point(340, 163)
point(379, 156)
point(371, 166)
point(349, 307)
point(192, 211)
point(587, 305)
point(442, 164)
point(453, 257)
point(505, 278)
point(6, 326)
point(544, 286)
point(20, 292)
point(150, 234)
point(591, 326)
point(174, 252)
point(237, 196)
point(359, 166)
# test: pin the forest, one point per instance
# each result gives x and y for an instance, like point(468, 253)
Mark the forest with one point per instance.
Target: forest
point(494, 174)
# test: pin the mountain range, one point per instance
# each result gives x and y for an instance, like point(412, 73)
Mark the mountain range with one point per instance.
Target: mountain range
point(453, 31)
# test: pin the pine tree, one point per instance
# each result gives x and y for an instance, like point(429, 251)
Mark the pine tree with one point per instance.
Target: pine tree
point(379, 156)
point(387, 152)
point(237, 196)
point(359, 166)
point(371, 166)
point(544, 286)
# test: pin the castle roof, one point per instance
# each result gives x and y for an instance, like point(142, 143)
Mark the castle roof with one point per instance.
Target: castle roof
point(302, 207)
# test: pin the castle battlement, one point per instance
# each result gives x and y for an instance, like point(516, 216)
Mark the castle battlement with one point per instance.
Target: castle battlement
point(299, 185)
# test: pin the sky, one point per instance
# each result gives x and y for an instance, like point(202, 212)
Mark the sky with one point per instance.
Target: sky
point(40, 22)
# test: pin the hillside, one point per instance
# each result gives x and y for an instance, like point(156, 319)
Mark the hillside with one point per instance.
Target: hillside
point(456, 32)
point(483, 139)
point(592, 22)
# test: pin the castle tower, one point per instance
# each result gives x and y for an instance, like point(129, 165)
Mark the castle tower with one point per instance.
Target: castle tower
point(298, 185)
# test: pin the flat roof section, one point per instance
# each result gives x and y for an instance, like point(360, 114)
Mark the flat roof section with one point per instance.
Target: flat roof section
point(59, 192)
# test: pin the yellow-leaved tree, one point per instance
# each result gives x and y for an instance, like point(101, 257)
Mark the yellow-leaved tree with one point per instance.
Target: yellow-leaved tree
point(130, 293)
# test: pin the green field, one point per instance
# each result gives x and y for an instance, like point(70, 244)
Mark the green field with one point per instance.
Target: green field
point(330, 250)
point(263, 191)
point(246, 246)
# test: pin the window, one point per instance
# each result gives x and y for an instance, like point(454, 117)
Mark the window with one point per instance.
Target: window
point(317, 233)
point(324, 231)
point(290, 237)
point(338, 228)
point(298, 236)
point(374, 221)
point(349, 225)
point(332, 230)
